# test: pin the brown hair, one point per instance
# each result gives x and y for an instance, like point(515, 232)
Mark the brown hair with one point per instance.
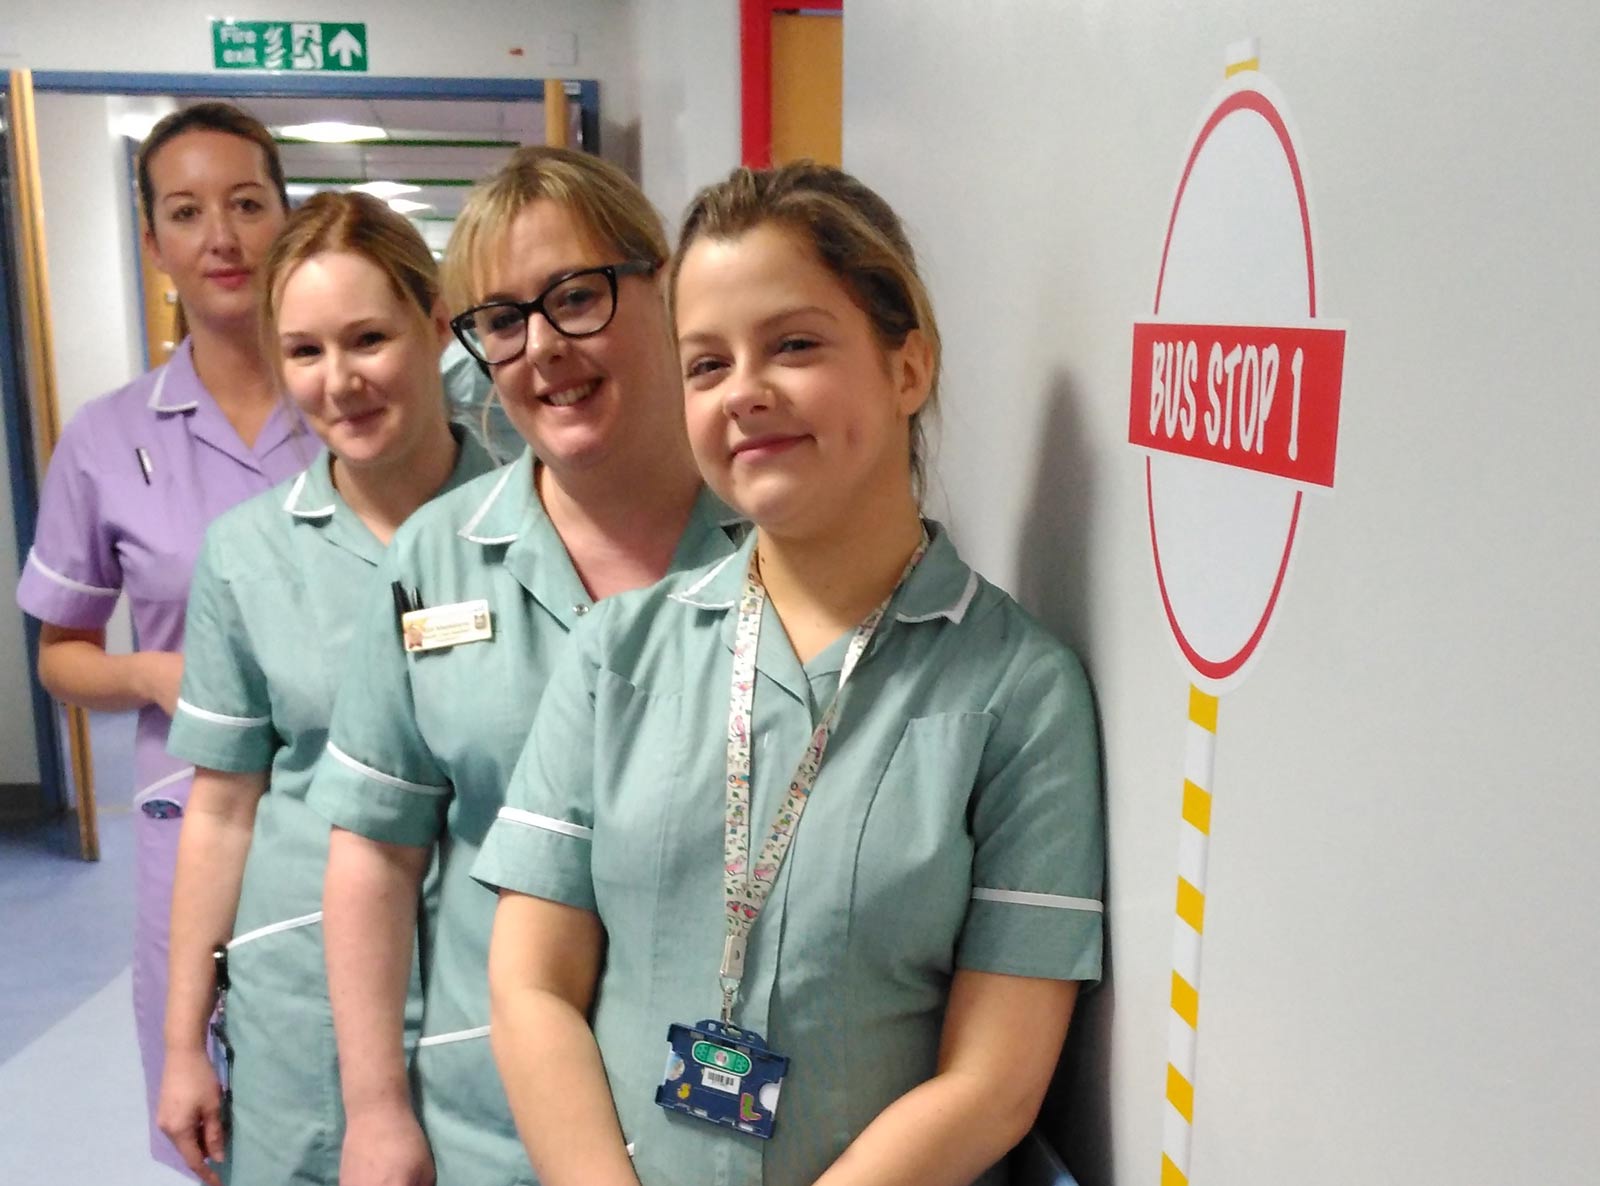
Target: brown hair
point(857, 236)
point(207, 117)
point(356, 223)
point(608, 205)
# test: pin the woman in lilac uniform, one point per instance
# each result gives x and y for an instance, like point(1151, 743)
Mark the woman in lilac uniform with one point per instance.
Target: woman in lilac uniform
point(138, 475)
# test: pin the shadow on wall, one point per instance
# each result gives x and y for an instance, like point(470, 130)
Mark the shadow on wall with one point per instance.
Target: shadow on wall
point(1057, 534)
point(619, 144)
point(1053, 583)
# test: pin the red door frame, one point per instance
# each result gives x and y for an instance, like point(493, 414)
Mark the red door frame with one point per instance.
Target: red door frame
point(755, 72)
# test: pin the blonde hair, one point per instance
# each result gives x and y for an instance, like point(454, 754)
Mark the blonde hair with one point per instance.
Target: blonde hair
point(605, 201)
point(361, 225)
point(856, 235)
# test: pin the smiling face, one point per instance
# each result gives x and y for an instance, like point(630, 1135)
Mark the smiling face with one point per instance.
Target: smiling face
point(797, 413)
point(214, 212)
point(583, 402)
point(360, 362)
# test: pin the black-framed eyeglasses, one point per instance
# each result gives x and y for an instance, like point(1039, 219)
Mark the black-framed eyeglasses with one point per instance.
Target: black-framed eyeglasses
point(578, 305)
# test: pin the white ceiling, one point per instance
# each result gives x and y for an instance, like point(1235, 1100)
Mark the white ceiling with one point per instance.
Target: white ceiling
point(490, 131)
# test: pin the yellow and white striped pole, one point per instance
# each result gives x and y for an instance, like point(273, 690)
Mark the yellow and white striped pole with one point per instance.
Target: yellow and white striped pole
point(1194, 846)
point(1177, 1135)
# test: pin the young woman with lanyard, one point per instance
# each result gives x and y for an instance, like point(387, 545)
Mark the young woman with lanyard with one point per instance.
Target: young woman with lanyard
point(823, 817)
point(139, 473)
point(353, 316)
point(559, 257)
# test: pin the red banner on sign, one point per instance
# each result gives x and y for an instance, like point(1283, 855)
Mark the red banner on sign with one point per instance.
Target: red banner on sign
point(1257, 397)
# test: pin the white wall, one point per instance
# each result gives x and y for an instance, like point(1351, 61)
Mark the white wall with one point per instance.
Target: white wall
point(688, 65)
point(1400, 952)
point(94, 285)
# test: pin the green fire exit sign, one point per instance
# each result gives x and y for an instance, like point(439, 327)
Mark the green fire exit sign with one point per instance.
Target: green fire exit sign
point(289, 45)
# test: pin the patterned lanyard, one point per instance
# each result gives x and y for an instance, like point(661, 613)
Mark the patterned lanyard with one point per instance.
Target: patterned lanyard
point(746, 895)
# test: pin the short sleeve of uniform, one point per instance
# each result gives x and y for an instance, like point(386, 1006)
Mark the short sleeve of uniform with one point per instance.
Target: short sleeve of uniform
point(72, 576)
point(540, 842)
point(1039, 841)
point(378, 776)
point(224, 717)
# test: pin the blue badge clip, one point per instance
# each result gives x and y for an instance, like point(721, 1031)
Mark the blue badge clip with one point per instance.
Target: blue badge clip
point(722, 1074)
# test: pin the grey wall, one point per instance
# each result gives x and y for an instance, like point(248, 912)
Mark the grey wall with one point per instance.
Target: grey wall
point(1399, 951)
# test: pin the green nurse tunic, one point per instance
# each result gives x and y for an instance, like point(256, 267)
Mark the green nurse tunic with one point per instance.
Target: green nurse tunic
point(277, 595)
point(955, 823)
point(421, 750)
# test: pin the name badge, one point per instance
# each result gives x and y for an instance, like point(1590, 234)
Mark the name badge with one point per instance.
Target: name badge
point(722, 1074)
point(440, 626)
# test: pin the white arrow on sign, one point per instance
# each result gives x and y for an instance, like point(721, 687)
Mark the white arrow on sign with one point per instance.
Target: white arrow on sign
point(345, 47)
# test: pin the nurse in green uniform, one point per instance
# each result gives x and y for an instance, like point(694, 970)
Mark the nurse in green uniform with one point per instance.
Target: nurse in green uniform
point(354, 323)
point(559, 257)
point(838, 792)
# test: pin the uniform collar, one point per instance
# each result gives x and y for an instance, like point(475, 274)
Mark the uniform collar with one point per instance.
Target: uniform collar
point(941, 586)
point(511, 517)
point(176, 383)
point(499, 518)
point(313, 499)
point(178, 390)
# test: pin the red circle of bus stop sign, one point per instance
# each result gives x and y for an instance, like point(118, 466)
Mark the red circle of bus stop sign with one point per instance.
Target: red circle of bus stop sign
point(1235, 387)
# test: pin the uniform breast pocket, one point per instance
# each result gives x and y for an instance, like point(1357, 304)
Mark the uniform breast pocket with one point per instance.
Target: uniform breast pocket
point(640, 749)
point(914, 868)
point(638, 761)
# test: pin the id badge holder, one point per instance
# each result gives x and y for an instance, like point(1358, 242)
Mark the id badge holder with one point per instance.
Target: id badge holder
point(218, 1046)
point(722, 1074)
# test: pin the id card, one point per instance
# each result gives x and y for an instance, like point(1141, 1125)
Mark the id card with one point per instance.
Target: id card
point(722, 1074)
point(443, 626)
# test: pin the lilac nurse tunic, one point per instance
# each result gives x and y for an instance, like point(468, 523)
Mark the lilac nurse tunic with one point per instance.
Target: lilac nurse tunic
point(136, 478)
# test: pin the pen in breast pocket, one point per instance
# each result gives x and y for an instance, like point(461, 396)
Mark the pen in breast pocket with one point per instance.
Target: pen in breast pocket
point(145, 468)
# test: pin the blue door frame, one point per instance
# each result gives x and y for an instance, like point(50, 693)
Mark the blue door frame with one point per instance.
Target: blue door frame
point(247, 85)
point(17, 414)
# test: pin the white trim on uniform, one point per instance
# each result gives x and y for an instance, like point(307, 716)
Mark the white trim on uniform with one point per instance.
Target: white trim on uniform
point(388, 780)
point(274, 928)
point(545, 823)
point(471, 525)
point(294, 497)
point(141, 795)
point(218, 718)
point(954, 612)
point(477, 1031)
point(155, 404)
point(67, 582)
point(687, 596)
point(1024, 898)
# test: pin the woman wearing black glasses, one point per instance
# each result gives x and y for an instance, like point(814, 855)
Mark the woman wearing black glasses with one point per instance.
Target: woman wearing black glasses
point(557, 261)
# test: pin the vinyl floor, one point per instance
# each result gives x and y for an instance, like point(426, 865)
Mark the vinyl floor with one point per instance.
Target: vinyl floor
point(71, 1094)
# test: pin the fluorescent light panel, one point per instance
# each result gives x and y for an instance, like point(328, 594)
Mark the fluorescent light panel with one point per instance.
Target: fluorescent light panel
point(386, 189)
point(332, 132)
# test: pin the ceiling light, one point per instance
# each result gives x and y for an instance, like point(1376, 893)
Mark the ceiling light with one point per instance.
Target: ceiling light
point(135, 125)
point(332, 132)
point(407, 206)
point(298, 189)
point(386, 189)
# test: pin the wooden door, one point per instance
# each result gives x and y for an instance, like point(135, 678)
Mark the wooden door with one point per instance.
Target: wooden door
point(807, 86)
point(39, 355)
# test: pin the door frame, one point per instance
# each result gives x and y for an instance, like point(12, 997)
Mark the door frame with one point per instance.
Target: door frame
point(23, 472)
point(755, 71)
point(247, 85)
